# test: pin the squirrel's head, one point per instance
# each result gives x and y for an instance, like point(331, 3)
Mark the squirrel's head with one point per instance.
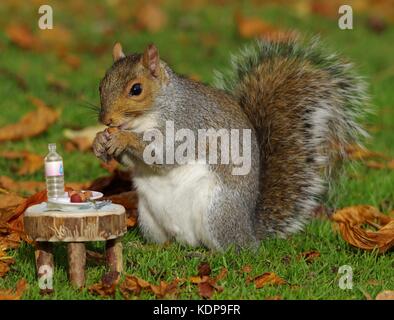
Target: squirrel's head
point(130, 86)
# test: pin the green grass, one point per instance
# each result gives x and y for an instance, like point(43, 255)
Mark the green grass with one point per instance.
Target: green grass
point(181, 43)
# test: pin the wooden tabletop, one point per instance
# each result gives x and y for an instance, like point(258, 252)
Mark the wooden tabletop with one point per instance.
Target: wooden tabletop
point(74, 225)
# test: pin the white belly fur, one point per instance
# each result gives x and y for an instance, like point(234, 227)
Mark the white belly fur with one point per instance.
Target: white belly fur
point(174, 205)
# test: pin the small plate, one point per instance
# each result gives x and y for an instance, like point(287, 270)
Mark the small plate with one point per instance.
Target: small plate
point(66, 200)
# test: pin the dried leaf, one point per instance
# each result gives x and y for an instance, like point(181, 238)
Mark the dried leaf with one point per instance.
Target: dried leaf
point(21, 36)
point(385, 295)
point(134, 285)
point(5, 263)
point(31, 162)
point(71, 60)
point(205, 290)
point(268, 278)
point(357, 152)
point(32, 187)
point(309, 256)
point(165, 289)
point(250, 27)
point(375, 165)
point(8, 294)
point(327, 9)
point(207, 285)
point(31, 124)
point(204, 269)
point(350, 221)
point(222, 274)
point(150, 17)
point(8, 203)
point(247, 268)
point(59, 38)
point(107, 286)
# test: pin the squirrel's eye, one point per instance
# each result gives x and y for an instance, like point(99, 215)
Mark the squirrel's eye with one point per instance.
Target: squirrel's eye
point(135, 90)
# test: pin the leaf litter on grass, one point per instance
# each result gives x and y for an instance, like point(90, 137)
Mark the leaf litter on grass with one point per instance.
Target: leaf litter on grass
point(354, 225)
point(31, 124)
point(31, 162)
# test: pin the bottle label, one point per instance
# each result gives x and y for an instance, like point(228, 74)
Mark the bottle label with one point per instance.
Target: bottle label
point(54, 168)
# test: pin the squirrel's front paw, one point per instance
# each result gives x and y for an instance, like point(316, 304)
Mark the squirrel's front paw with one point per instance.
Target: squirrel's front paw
point(116, 143)
point(99, 146)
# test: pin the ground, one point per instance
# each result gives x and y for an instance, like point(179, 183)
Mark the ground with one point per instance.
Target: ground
point(195, 42)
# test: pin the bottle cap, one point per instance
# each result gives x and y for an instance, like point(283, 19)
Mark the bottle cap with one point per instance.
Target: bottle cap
point(52, 146)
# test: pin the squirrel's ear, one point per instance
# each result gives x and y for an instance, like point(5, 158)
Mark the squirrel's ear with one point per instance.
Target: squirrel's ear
point(151, 59)
point(117, 52)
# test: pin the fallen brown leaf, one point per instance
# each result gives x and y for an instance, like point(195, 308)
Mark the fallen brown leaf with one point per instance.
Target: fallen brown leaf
point(8, 203)
point(21, 186)
point(205, 290)
point(107, 286)
point(252, 27)
point(9, 294)
point(357, 152)
point(204, 269)
point(72, 60)
point(350, 221)
point(21, 36)
point(58, 39)
point(207, 285)
point(247, 268)
point(222, 274)
point(327, 9)
point(268, 278)
point(385, 295)
point(31, 124)
point(32, 187)
point(375, 165)
point(133, 285)
point(165, 289)
point(309, 256)
point(151, 17)
point(31, 162)
point(5, 263)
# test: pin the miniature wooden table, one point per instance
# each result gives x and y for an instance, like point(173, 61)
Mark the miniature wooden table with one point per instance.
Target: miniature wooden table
point(75, 227)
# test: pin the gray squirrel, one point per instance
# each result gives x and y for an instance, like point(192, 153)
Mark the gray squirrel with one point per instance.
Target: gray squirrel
point(300, 105)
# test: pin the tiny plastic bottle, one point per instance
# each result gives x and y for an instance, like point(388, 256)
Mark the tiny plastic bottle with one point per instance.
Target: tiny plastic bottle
point(54, 173)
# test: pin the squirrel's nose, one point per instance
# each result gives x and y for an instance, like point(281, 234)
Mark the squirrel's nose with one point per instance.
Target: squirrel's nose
point(105, 119)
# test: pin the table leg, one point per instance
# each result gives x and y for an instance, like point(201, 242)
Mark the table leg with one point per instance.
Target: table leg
point(76, 263)
point(114, 255)
point(44, 264)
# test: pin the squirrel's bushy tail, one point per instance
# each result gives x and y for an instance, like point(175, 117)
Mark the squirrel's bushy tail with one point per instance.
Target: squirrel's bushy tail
point(305, 106)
